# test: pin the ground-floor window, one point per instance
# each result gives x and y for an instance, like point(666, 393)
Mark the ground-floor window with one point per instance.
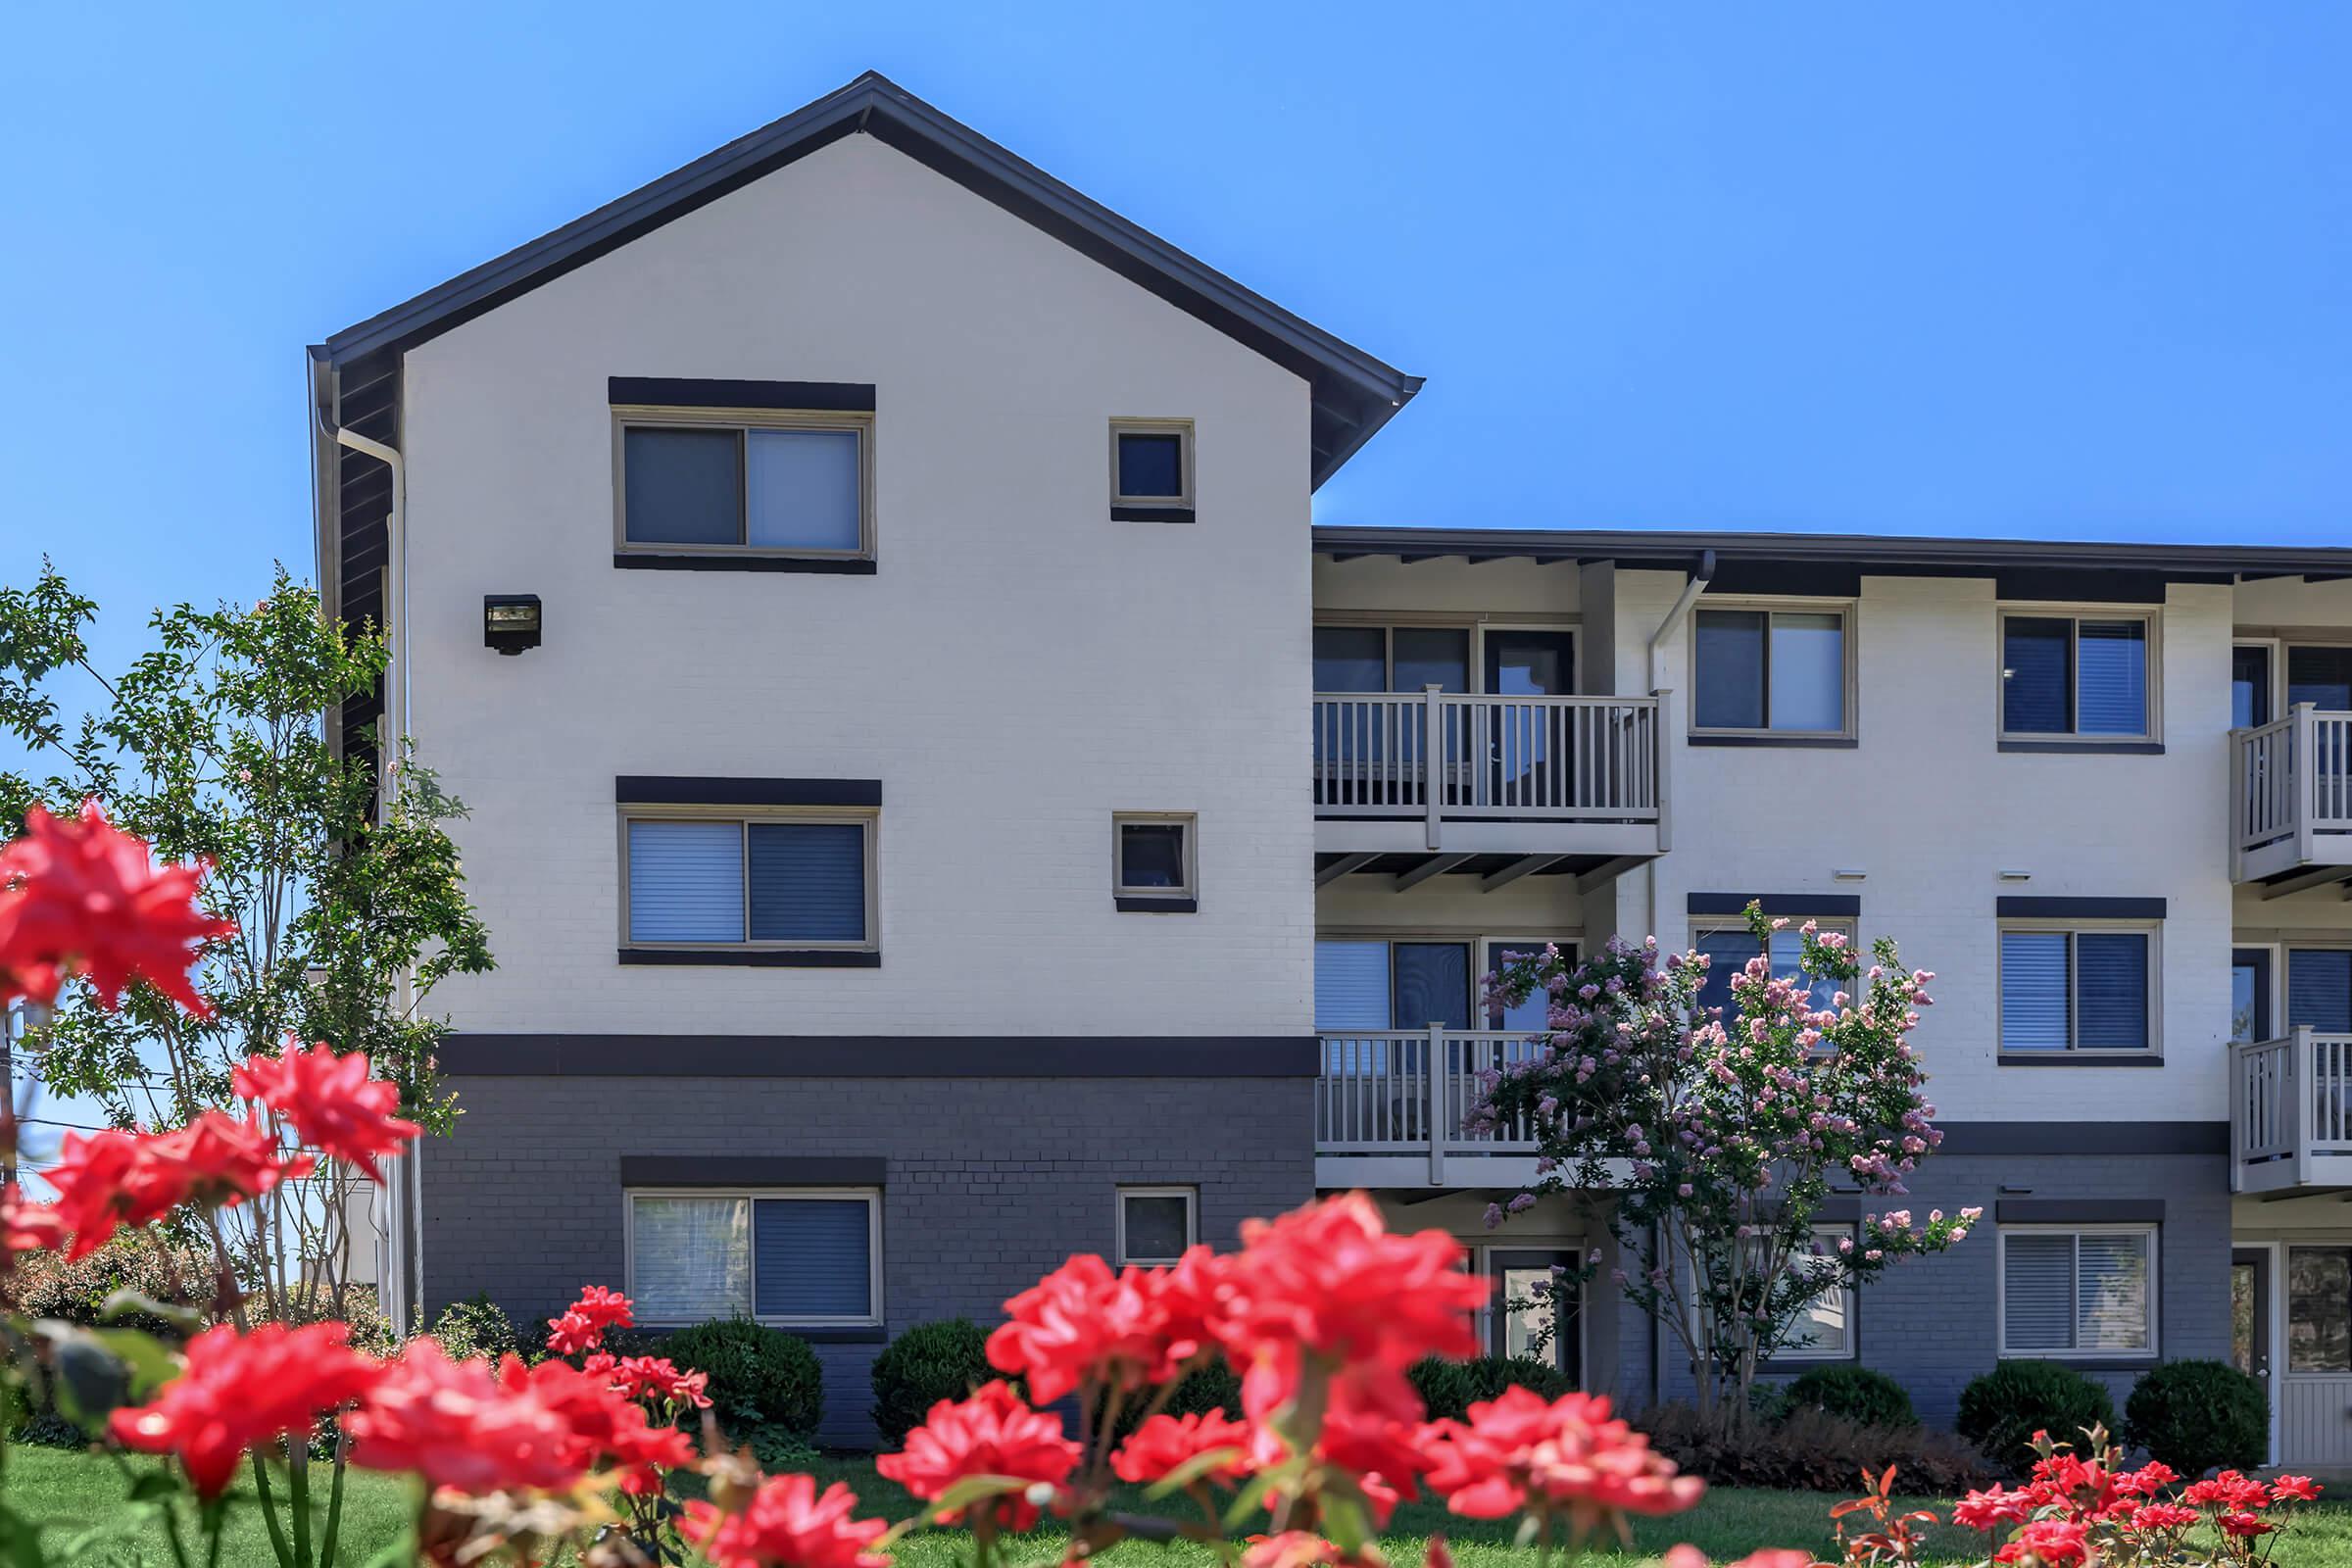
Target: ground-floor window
point(1825, 1330)
point(1156, 1224)
point(2088, 1291)
point(1538, 1312)
point(808, 1257)
point(2319, 1310)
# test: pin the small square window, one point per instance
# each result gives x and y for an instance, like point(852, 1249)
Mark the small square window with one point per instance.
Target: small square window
point(1156, 1224)
point(1152, 465)
point(1153, 864)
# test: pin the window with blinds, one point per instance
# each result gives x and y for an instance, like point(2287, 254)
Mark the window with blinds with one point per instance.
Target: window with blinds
point(2089, 1292)
point(2085, 678)
point(2076, 990)
point(702, 881)
point(1770, 671)
point(792, 1258)
point(794, 484)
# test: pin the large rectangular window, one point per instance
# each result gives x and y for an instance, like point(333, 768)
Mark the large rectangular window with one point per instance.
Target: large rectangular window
point(2319, 989)
point(731, 483)
point(1391, 658)
point(2084, 677)
point(807, 1258)
point(2319, 1310)
point(1825, 1330)
point(800, 881)
point(2087, 1292)
point(1729, 947)
point(1770, 671)
point(2091, 990)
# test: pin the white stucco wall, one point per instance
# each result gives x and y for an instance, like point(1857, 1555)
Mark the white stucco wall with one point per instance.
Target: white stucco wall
point(1019, 668)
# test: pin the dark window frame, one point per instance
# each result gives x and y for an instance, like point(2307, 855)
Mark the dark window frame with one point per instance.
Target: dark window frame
point(742, 422)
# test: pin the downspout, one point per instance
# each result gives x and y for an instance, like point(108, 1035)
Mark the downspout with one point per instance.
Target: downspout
point(1702, 572)
point(408, 1209)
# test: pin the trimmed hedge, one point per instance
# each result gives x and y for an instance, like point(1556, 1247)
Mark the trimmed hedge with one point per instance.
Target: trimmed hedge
point(1854, 1394)
point(2000, 1411)
point(1812, 1452)
point(1448, 1388)
point(928, 1363)
point(2198, 1416)
point(764, 1384)
point(476, 1326)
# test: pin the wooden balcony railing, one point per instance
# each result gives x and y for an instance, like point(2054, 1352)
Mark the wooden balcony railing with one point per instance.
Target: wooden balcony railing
point(2290, 792)
point(2290, 1112)
point(1412, 1091)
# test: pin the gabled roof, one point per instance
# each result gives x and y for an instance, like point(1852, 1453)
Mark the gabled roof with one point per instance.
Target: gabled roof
point(1353, 393)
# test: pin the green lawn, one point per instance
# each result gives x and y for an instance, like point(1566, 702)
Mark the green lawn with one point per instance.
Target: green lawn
point(78, 1494)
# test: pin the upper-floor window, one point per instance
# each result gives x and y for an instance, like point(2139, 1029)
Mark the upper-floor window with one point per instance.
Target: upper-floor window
point(780, 882)
point(2080, 990)
point(1729, 947)
point(1151, 468)
point(2089, 676)
point(734, 482)
point(1155, 861)
point(1772, 671)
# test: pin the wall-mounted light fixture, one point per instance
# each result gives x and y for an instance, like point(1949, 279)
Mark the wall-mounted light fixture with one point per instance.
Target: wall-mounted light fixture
point(2012, 876)
point(510, 621)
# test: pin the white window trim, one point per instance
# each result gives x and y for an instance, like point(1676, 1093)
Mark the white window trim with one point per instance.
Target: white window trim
point(1491, 1315)
point(869, 820)
point(1846, 611)
point(2153, 930)
point(1192, 1222)
point(628, 417)
point(1189, 821)
point(2152, 616)
point(872, 1197)
point(2000, 1298)
point(1182, 430)
point(2275, 649)
point(1847, 1300)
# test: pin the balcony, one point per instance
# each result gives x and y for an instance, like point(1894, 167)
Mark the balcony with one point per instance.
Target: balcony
point(1431, 781)
point(2291, 802)
point(2291, 1114)
point(1391, 1109)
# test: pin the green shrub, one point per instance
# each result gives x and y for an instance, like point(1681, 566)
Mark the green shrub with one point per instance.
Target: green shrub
point(476, 1326)
point(2000, 1411)
point(45, 1285)
point(1855, 1393)
point(928, 1363)
point(2199, 1415)
point(763, 1382)
point(1811, 1450)
point(1211, 1387)
point(1448, 1388)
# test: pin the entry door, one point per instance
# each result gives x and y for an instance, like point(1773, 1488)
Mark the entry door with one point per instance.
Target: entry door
point(2250, 1316)
point(1516, 1274)
point(1523, 742)
point(2315, 1390)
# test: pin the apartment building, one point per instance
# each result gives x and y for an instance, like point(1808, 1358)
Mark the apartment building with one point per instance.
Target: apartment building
point(939, 804)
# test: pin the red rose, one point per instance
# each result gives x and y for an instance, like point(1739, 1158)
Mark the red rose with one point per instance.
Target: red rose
point(2245, 1526)
point(238, 1390)
point(26, 1227)
point(2295, 1488)
point(1079, 1324)
point(77, 896)
point(2051, 1540)
point(788, 1523)
point(330, 1102)
point(1569, 1455)
point(1165, 1442)
point(991, 1434)
point(456, 1424)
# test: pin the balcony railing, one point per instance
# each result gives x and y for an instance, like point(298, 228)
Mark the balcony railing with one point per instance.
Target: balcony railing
point(1412, 1091)
point(1445, 756)
point(2290, 794)
point(2290, 1112)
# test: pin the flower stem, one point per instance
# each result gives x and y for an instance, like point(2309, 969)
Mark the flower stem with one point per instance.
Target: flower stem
point(278, 1531)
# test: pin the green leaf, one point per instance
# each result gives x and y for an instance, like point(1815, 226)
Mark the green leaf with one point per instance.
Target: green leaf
point(975, 1489)
point(90, 1380)
point(1252, 1498)
point(128, 1303)
point(1191, 1470)
point(150, 1364)
point(20, 1541)
point(154, 1485)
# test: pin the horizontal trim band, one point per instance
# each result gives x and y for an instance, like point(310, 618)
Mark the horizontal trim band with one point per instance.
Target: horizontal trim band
point(1788, 904)
point(678, 789)
point(822, 565)
point(1818, 743)
point(752, 1170)
point(2079, 1211)
point(756, 957)
point(2031, 907)
point(1151, 513)
point(1150, 906)
point(2086, 747)
point(696, 392)
point(657, 1055)
point(2085, 1138)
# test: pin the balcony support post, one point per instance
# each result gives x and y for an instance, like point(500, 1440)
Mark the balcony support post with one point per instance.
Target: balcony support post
point(2299, 1088)
point(2303, 764)
point(1433, 733)
point(2238, 762)
point(1439, 1080)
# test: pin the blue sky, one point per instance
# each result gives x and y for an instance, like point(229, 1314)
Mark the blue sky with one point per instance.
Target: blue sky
point(2005, 269)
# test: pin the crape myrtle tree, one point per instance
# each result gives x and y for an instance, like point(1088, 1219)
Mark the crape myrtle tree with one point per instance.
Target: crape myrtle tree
point(1710, 1137)
point(333, 922)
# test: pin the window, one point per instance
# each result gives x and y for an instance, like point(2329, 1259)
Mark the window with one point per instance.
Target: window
point(808, 1257)
point(2081, 677)
point(1532, 1015)
point(2090, 990)
point(757, 483)
point(1547, 1323)
point(1729, 948)
point(2319, 1310)
point(2083, 1291)
point(2250, 689)
point(1770, 671)
point(2320, 674)
point(2319, 989)
point(2249, 994)
point(1153, 864)
point(1391, 658)
point(1157, 1223)
point(804, 881)
point(1825, 1330)
point(1371, 985)
point(1151, 464)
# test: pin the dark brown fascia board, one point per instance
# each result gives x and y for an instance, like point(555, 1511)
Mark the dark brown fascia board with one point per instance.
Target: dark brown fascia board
point(1677, 549)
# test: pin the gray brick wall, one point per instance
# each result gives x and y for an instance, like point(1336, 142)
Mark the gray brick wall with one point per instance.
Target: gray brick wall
point(992, 1182)
point(1929, 1322)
